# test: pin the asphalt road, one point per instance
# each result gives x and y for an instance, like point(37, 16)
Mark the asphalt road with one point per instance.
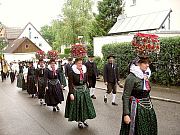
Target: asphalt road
point(22, 115)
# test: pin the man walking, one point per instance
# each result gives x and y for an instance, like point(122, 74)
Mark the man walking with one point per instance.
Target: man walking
point(92, 73)
point(111, 78)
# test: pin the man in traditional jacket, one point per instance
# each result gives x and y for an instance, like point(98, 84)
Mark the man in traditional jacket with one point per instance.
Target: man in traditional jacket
point(68, 67)
point(111, 78)
point(92, 74)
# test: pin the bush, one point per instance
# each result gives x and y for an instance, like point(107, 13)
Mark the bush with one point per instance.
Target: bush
point(100, 64)
point(67, 51)
point(165, 67)
point(64, 55)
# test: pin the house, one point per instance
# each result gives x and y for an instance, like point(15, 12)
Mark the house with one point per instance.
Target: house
point(153, 16)
point(26, 44)
point(21, 49)
point(9, 33)
point(34, 35)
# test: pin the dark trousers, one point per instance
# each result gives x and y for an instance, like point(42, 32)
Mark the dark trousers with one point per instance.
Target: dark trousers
point(12, 76)
point(111, 87)
point(92, 81)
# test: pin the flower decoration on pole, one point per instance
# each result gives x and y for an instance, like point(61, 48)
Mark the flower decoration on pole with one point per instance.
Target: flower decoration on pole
point(40, 55)
point(53, 54)
point(145, 44)
point(78, 50)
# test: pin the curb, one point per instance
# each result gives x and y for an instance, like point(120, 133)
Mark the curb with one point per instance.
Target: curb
point(152, 97)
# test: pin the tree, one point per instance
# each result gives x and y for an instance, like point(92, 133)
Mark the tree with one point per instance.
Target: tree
point(109, 10)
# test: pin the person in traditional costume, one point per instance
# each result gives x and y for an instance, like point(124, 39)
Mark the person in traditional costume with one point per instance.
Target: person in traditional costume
point(68, 67)
point(12, 72)
point(31, 80)
point(20, 76)
point(54, 94)
point(40, 77)
point(92, 74)
point(111, 78)
point(139, 117)
point(79, 105)
point(62, 76)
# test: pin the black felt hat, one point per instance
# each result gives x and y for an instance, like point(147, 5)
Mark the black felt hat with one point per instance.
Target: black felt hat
point(111, 55)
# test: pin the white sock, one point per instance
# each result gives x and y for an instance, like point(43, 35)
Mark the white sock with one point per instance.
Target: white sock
point(105, 95)
point(93, 89)
point(113, 98)
point(90, 91)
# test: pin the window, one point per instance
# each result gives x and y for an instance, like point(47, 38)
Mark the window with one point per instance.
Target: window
point(26, 46)
point(40, 44)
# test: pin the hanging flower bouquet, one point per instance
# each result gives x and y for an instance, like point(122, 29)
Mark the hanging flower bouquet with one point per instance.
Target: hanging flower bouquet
point(53, 55)
point(145, 44)
point(78, 50)
point(40, 55)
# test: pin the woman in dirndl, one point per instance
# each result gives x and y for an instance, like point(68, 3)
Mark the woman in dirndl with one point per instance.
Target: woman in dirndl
point(54, 93)
point(20, 75)
point(31, 80)
point(139, 117)
point(79, 106)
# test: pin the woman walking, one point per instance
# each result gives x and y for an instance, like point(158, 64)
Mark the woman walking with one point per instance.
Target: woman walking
point(79, 106)
point(54, 94)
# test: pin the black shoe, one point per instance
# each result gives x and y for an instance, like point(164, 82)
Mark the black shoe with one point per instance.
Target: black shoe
point(105, 100)
point(57, 107)
point(93, 97)
point(113, 103)
point(54, 109)
point(85, 124)
point(32, 95)
point(80, 125)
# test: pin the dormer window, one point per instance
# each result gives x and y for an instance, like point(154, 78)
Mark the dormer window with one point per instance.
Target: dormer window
point(26, 46)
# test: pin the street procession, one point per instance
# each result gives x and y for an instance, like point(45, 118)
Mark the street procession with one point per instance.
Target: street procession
point(89, 67)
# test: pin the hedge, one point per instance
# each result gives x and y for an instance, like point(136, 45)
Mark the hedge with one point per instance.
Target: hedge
point(165, 66)
point(67, 51)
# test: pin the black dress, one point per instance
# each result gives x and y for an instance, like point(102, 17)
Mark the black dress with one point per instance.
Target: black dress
point(41, 82)
point(54, 94)
point(31, 80)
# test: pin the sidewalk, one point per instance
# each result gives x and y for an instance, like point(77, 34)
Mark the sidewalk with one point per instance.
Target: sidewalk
point(157, 92)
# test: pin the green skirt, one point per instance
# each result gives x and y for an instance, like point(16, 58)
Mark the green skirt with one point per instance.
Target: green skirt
point(145, 122)
point(20, 78)
point(82, 107)
point(63, 80)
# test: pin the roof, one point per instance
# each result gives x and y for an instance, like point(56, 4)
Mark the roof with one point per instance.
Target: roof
point(12, 47)
point(144, 22)
point(12, 32)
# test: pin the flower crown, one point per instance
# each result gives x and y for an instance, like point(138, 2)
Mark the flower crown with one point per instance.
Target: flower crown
point(78, 50)
point(40, 55)
point(53, 54)
point(145, 44)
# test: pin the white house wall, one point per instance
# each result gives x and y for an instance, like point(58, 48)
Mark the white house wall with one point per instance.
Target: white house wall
point(98, 42)
point(149, 6)
point(36, 38)
point(19, 56)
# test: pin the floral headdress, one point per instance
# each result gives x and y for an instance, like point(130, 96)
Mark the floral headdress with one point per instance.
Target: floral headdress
point(40, 55)
point(145, 44)
point(52, 55)
point(78, 50)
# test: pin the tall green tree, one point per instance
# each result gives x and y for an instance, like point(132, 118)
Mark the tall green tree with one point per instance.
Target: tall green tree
point(109, 10)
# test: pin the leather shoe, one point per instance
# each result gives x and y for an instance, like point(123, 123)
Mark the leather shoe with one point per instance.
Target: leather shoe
point(113, 103)
point(105, 100)
point(93, 97)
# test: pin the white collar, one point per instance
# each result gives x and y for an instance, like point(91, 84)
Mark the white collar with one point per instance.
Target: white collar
point(49, 67)
point(75, 70)
point(138, 72)
point(41, 67)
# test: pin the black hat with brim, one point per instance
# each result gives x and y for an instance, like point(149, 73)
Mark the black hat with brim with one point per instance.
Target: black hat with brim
point(111, 56)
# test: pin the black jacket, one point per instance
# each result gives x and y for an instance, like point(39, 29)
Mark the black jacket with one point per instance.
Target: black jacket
point(91, 69)
point(111, 73)
point(68, 69)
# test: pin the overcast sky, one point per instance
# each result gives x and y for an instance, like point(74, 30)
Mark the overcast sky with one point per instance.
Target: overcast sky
point(17, 13)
